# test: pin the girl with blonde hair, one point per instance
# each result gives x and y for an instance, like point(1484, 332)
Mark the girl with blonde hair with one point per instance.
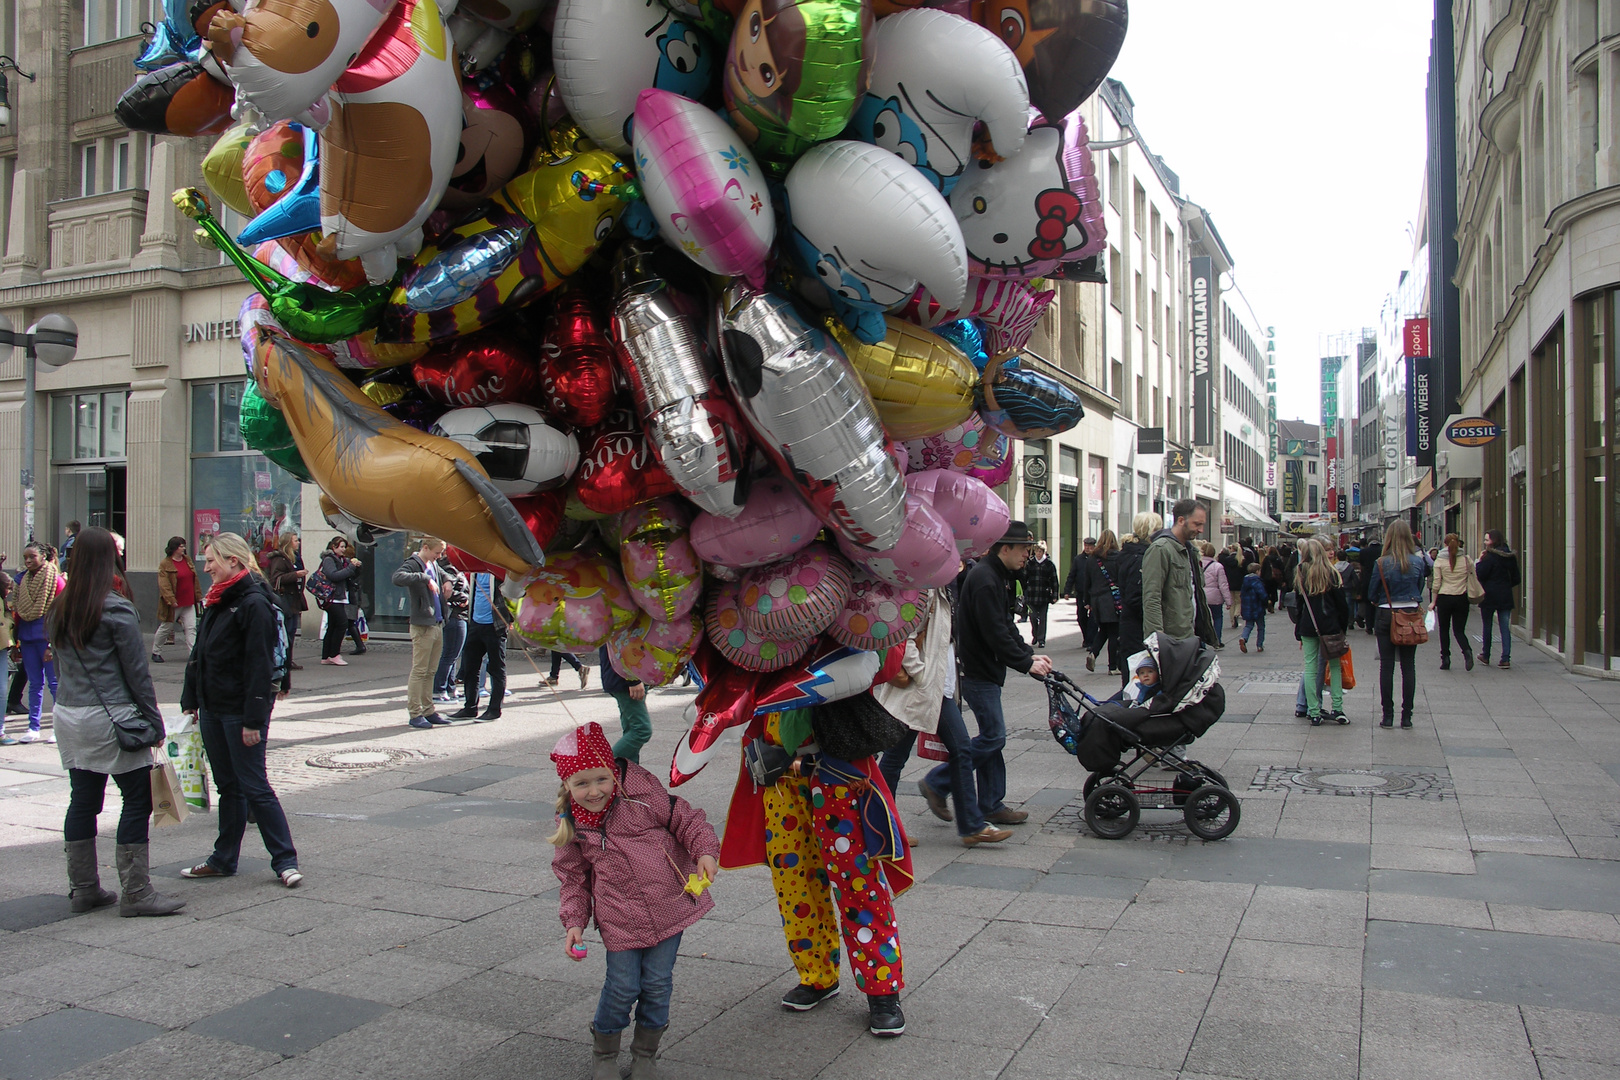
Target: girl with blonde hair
point(1324, 613)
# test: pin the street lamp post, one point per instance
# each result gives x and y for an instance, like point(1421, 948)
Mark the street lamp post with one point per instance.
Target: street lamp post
point(53, 341)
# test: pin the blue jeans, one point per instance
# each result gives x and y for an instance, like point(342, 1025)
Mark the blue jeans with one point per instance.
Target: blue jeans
point(40, 671)
point(455, 635)
point(240, 776)
point(640, 977)
point(1503, 621)
point(989, 766)
point(955, 777)
point(1250, 624)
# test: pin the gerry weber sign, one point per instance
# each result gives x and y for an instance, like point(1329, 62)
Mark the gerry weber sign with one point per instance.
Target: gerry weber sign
point(228, 330)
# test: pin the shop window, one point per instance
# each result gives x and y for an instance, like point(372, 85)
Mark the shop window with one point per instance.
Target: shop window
point(88, 427)
point(233, 487)
point(109, 20)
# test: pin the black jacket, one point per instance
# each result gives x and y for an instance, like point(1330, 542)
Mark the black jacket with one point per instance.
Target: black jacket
point(988, 642)
point(1094, 588)
point(1368, 559)
point(1234, 571)
point(1127, 571)
point(229, 670)
point(1040, 581)
point(1331, 610)
point(1498, 572)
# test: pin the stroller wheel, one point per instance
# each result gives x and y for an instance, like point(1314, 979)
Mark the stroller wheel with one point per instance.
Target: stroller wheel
point(1112, 811)
point(1212, 813)
point(1098, 777)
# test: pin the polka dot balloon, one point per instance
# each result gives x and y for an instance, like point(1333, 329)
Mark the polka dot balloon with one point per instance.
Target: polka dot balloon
point(799, 597)
point(878, 615)
point(723, 622)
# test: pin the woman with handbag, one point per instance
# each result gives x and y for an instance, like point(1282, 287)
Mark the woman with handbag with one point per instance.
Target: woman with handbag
point(230, 691)
point(1099, 587)
point(1396, 594)
point(106, 720)
point(177, 598)
point(287, 583)
point(1321, 628)
point(337, 570)
point(1456, 586)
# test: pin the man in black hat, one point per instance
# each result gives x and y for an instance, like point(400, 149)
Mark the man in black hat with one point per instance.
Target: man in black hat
point(988, 643)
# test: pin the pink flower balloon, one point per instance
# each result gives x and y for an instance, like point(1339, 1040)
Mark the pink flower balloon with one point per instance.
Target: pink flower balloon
point(653, 651)
point(663, 571)
point(976, 515)
point(967, 446)
point(925, 558)
point(575, 603)
point(774, 524)
point(797, 598)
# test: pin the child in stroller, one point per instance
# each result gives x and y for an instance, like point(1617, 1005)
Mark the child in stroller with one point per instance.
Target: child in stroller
point(1174, 698)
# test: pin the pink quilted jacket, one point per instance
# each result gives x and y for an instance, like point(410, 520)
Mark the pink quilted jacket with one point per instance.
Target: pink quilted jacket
point(621, 874)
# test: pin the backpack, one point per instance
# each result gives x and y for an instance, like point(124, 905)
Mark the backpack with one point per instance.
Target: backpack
point(281, 652)
point(321, 587)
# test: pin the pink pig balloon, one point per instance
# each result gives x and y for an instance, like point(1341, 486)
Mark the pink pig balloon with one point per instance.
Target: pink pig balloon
point(774, 524)
point(925, 558)
point(703, 186)
point(975, 514)
point(663, 572)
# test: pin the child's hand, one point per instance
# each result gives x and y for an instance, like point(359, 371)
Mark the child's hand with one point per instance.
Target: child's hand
point(574, 943)
point(709, 867)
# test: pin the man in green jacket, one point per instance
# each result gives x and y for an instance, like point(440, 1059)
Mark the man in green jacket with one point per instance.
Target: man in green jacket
point(1170, 588)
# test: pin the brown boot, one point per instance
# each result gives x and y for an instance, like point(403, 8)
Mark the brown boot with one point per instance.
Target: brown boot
point(84, 877)
point(139, 897)
point(605, 1055)
point(643, 1049)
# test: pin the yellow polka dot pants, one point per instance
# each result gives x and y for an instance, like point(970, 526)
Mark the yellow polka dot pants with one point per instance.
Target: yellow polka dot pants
point(825, 883)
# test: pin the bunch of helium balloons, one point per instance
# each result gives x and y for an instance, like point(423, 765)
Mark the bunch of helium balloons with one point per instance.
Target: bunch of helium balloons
point(697, 321)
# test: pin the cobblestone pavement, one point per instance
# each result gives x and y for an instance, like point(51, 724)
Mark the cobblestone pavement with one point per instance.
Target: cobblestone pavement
point(1434, 902)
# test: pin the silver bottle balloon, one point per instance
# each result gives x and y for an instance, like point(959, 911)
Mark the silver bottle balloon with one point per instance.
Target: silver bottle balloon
point(690, 424)
point(812, 415)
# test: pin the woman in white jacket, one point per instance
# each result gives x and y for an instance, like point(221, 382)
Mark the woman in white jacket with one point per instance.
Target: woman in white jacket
point(924, 699)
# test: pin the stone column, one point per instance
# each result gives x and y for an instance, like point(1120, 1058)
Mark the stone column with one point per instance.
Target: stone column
point(26, 243)
point(164, 229)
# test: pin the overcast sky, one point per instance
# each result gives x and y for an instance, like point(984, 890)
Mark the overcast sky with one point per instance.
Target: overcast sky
point(1300, 127)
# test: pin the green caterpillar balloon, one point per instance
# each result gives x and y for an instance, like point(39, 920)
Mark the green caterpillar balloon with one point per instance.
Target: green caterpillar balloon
point(795, 71)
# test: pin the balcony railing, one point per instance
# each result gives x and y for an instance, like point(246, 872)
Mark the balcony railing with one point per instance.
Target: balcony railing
point(95, 232)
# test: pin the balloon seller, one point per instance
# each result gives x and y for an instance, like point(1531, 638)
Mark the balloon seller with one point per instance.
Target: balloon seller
point(635, 859)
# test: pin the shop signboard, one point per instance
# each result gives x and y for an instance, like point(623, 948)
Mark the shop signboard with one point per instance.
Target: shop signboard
point(1203, 349)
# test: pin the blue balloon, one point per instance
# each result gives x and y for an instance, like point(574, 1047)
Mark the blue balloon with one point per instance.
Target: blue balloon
point(968, 336)
point(298, 211)
point(1024, 404)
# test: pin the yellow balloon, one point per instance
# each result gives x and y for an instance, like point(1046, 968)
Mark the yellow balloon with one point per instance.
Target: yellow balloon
point(921, 383)
point(222, 168)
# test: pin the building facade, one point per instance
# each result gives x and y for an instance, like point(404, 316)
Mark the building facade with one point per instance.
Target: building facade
point(1537, 187)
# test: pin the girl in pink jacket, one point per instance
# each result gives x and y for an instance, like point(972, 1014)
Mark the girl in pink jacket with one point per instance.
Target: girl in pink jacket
point(635, 858)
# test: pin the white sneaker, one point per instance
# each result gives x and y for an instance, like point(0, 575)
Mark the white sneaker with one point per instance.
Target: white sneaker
point(51, 738)
point(29, 736)
point(291, 878)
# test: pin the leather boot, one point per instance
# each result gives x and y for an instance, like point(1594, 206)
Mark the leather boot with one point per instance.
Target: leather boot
point(643, 1049)
point(605, 1055)
point(84, 879)
point(139, 897)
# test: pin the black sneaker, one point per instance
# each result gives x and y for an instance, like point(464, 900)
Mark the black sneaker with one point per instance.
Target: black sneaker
point(436, 720)
point(887, 1020)
point(486, 716)
point(1445, 664)
point(1300, 714)
point(157, 658)
point(1340, 718)
point(420, 722)
point(469, 712)
point(1316, 721)
point(804, 998)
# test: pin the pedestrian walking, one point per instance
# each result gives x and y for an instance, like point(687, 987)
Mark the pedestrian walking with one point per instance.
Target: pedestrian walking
point(229, 689)
point(486, 643)
point(1274, 568)
point(177, 599)
point(1397, 585)
point(1132, 549)
point(1366, 562)
point(1172, 580)
point(1040, 583)
point(635, 726)
point(1498, 574)
point(338, 571)
point(70, 536)
point(30, 602)
point(457, 607)
point(102, 675)
point(1100, 590)
point(286, 579)
point(1455, 588)
point(989, 644)
point(1324, 614)
point(356, 613)
point(1254, 599)
point(1217, 589)
point(558, 659)
point(625, 850)
point(926, 701)
point(1231, 561)
point(1072, 586)
point(420, 574)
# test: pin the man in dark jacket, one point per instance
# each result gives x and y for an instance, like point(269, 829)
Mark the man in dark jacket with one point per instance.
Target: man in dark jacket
point(420, 576)
point(988, 643)
point(1075, 585)
point(1040, 580)
point(1371, 552)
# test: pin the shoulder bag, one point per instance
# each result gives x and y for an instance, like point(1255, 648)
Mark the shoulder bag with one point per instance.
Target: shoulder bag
point(855, 727)
point(1476, 591)
point(1334, 645)
point(135, 730)
point(1405, 625)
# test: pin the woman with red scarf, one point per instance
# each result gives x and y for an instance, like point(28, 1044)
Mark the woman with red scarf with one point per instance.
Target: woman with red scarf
point(229, 689)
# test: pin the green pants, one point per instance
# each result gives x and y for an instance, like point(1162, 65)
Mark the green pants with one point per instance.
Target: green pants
point(1313, 658)
point(636, 725)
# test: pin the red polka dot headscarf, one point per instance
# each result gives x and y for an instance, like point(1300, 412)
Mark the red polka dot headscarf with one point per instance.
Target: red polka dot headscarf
point(583, 748)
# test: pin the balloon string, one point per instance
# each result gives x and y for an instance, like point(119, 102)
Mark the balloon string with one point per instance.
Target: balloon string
point(545, 682)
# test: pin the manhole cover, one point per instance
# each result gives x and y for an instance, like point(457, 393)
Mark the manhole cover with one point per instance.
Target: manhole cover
point(1410, 784)
point(361, 757)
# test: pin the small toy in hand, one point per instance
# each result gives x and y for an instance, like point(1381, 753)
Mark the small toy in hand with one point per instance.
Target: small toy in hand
point(696, 883)
point(577, 951)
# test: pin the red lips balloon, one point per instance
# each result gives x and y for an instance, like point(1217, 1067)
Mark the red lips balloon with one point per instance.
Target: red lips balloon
point(619, 469)
point(576, 363)
point(479, 369)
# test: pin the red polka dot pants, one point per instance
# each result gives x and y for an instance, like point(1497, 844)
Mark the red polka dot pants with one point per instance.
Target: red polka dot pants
point(825, 883)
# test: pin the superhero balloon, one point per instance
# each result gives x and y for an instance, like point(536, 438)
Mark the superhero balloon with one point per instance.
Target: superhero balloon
point(812, 415)
point(705, 190)
point(726, 701)
point(867, 228)
point(832, 672)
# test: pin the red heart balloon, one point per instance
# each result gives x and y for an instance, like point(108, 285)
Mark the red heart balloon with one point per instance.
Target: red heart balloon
point(478, 369)
point(472, 564)
point(576, 363)
point(543, 513)
point(619, 469)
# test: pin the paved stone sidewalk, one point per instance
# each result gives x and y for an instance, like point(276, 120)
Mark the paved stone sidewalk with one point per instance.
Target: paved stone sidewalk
point(1434, 902)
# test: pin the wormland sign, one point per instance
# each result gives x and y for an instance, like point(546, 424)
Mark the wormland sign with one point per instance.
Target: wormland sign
point(1203, 353)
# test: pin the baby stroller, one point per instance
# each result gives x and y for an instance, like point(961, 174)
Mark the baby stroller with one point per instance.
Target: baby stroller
point(1100, 733)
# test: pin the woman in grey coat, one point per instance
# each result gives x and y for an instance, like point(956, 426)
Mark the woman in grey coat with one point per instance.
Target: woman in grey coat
point(101, 669)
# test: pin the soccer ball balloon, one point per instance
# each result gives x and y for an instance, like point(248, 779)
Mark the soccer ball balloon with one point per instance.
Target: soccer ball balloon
point(522, 450)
